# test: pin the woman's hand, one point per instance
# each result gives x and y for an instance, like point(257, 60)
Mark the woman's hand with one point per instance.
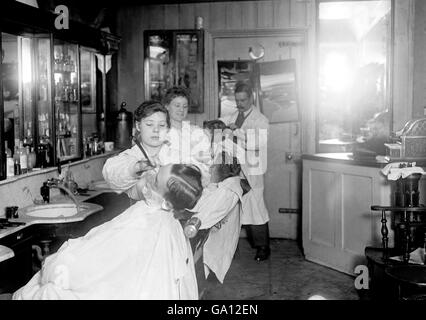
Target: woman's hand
point(141, 166)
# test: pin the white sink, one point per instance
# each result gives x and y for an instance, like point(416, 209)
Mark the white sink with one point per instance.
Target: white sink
point(54, 210)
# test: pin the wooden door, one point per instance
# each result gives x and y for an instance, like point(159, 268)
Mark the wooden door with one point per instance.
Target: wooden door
point(283, 176)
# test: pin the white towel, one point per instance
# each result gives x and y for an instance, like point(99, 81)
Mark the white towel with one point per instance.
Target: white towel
point(6, 253)
point(394, 172)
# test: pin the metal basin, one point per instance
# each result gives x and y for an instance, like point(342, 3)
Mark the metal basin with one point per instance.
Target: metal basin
point(54, 210)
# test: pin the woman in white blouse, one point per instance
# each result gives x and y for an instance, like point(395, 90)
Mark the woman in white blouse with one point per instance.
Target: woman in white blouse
point(188, 142)
point(177, 142)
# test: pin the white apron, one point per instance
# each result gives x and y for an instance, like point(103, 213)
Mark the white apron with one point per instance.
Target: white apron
point(253, 205)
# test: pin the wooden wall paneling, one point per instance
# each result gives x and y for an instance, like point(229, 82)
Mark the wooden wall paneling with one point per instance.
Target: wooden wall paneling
point(186, 16)
point(265, 14)
point(403, 63)
point(142, 24)
point(249, 12)
point(234, 17)
point(203, 10)
point(156, 16)
point(281, 13)
point(323, 203)
point(171, 16)
point(217, 16)
point(419, 90)
point(298, 14)
point(357, 190)
point(309, 83)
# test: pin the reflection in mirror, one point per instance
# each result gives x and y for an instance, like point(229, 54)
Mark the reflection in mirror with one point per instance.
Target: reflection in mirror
point(10, 77)
point(158, 66)
point(26, 71)
point(353, 64)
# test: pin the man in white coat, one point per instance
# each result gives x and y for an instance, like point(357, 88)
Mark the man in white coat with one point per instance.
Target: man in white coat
point(248, 119)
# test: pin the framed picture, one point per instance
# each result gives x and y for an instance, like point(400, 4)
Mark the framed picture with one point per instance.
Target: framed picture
point(278, 92)
point(231, 72)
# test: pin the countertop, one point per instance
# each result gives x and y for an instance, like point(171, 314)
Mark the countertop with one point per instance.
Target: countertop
point(88, 209)
point(348, 158)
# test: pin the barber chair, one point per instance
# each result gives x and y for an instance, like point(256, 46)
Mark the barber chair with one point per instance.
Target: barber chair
point(399, 279)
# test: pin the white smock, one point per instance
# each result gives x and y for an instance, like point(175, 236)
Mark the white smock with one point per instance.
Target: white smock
point(253, 205)
point(219, 208)
point(189, 145)
point(140, 254)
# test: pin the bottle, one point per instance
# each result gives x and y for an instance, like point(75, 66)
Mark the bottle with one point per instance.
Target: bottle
point(32, 158)
point(16, 167)
point(45, 192)
point(16, 153)
point(191, 227)
point(10, 169)
point(8, 151)
point(23, 157)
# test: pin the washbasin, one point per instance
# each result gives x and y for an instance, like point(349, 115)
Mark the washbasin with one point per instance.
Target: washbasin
point(54, 210)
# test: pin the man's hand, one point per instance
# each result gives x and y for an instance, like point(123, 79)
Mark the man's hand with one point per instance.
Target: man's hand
point(232, 126)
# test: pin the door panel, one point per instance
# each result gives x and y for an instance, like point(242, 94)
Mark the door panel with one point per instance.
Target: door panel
point(283, 176)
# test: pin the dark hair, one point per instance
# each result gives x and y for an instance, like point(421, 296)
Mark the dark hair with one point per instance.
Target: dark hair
point(174, 92)
point(184, 187)
point(227, 168)
point(148, 108)
point(214, 124)
point(243, 87)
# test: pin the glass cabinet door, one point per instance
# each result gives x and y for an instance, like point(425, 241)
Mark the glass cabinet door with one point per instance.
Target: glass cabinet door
point(175, 58)
point(67, 105)
point(159, 67)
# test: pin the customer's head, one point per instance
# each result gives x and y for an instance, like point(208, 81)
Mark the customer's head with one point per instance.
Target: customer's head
point(152, 122)
point(176, 101)
point(213, 129)
point(223, 167)
point(180, 185)
point(243, 96)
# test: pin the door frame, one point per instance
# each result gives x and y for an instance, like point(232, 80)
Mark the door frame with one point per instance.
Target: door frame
point(211, 61)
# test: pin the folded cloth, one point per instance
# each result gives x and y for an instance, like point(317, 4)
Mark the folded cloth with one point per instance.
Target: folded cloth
point(416, 257)
point(6, 253)
point(394, 172)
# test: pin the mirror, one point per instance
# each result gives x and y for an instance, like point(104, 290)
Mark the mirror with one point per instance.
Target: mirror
point(354, 53)
point(10, 77)
point(278, 90)
point(231, 72)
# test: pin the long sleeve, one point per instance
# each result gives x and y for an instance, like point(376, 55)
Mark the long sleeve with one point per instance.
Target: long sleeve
point(214, 205)
point(117, 171)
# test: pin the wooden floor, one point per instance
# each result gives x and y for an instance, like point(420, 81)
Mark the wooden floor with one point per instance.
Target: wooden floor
point(285, 276)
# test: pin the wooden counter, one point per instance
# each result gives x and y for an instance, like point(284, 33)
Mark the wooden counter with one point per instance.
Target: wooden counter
point(337, 221)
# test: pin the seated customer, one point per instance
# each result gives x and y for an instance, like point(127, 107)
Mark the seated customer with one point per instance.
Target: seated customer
point(377, 135)
point(219, 210)
point(140, 254)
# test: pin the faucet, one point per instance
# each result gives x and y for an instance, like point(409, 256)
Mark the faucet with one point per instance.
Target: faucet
point(56, 183)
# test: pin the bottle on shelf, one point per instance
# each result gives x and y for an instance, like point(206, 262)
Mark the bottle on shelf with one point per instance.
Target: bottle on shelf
point(31, 158)
point(10, 170)
point(41, 154)
point(16, 160)
point(23, 157)
point(7, 150)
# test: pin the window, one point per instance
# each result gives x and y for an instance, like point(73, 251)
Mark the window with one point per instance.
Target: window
point(354, 54)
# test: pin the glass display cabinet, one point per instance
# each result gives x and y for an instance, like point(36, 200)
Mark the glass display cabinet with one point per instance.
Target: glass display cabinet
point(48, 85)
point(67, 100)
point(175, 58)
